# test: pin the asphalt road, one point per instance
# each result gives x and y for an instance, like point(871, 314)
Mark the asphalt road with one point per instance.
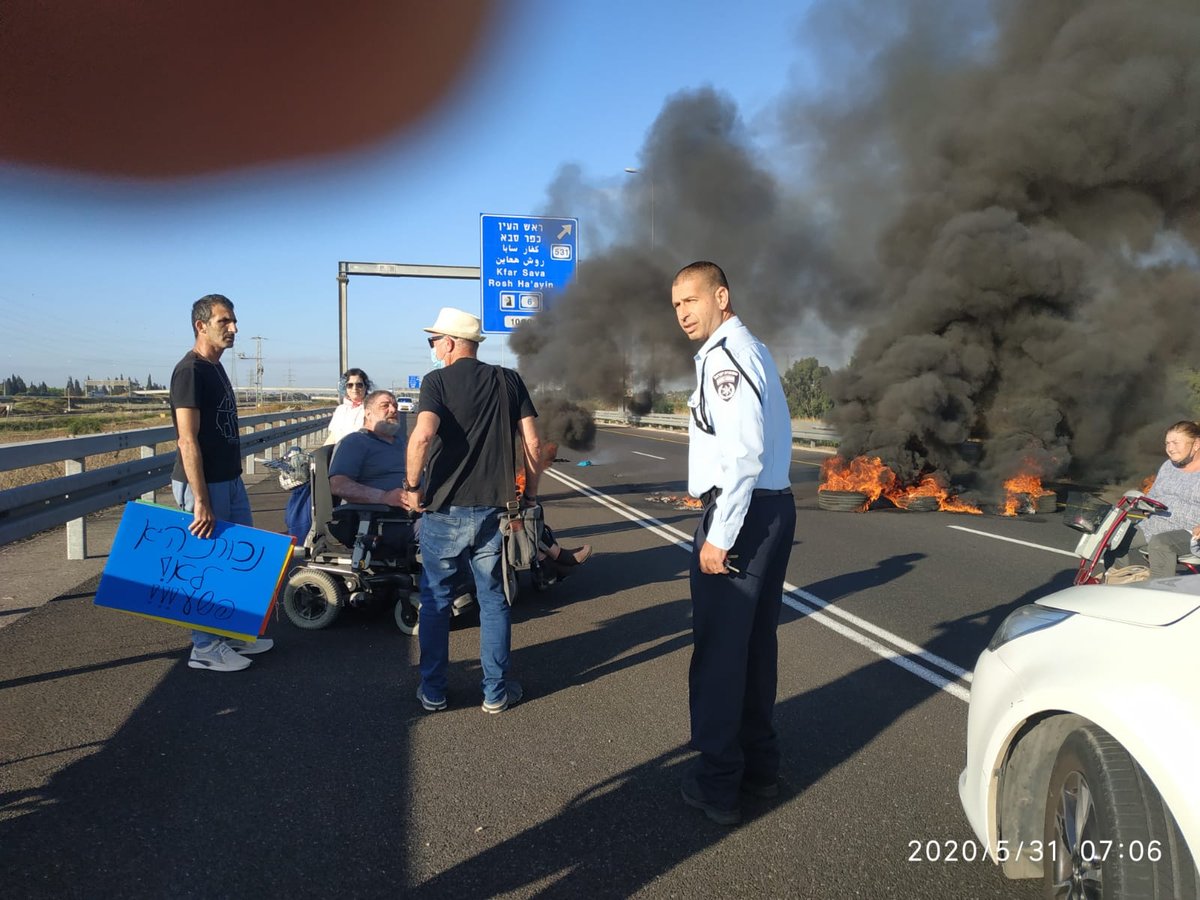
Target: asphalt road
point(315, 772)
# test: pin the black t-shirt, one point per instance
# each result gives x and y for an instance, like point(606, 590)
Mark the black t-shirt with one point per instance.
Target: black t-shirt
point(199, 384)
point(468, 455)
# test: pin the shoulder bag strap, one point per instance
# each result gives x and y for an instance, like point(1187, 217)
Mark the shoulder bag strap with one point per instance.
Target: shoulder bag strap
point(509, 473)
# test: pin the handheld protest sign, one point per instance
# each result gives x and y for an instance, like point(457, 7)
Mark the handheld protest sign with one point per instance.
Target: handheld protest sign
point(226, 583)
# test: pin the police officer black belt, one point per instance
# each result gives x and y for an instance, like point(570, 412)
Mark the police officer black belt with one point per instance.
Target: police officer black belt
point(709, 497)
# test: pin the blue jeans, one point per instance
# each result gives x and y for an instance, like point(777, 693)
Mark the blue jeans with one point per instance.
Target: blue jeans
point(455, 541)
point(230, 503)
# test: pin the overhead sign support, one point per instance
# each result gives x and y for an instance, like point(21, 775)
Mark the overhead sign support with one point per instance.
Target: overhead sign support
point(393, 270)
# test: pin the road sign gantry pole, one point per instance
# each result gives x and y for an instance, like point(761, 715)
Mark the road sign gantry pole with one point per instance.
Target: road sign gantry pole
point(390, 270)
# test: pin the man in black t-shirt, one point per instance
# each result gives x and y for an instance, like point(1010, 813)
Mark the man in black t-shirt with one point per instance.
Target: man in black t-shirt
point(207, 479)
point(461, 474)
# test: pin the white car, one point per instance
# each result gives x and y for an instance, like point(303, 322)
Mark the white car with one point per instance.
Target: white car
point(405, 404)
point(1083, 742)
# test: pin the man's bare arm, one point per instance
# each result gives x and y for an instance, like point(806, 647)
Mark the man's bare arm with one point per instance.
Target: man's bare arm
point(419, 443)
point(352, 492)
point(187, 432)
point(533, 455)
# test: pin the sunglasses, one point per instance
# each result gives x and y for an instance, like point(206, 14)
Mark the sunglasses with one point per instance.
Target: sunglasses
point(355, 384)
point(433, 340)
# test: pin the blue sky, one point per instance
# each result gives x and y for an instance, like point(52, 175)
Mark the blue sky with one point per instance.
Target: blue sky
point(96, 278)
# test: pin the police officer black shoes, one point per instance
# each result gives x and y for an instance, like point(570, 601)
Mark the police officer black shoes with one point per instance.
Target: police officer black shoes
point(760, 790)
point(692, 797)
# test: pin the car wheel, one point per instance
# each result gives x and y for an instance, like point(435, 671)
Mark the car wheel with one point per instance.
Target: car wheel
point(313, 599)
point(1107, 831)
point(408, 613)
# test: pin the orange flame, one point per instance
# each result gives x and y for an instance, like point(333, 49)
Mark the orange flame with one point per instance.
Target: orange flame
point(870, 476)
point(1020, 490)
point(936, 487)
point(953, 504)
point(866, 474)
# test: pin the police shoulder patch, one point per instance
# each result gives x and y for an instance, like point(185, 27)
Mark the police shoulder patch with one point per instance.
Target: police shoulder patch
point(725, 383)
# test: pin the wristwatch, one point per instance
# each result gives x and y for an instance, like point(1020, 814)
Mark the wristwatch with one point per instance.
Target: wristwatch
point(410, 487)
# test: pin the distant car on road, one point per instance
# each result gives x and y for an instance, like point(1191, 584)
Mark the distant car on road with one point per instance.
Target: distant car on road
point(1083, 742)
point(405, 404)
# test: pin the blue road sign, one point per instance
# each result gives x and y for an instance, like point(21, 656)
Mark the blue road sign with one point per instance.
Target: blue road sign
point(414, 382)
point(523, 262)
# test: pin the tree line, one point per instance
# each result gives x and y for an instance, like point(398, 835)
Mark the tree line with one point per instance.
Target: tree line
point(15, 385)
point(803, 386)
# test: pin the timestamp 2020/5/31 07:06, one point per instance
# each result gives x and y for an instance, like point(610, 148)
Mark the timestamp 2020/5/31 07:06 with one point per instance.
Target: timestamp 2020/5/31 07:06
point(950, 851)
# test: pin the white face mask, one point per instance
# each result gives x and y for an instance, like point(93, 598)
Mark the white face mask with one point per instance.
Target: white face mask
point(437, 363)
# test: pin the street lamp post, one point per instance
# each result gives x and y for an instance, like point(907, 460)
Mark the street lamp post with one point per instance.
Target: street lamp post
point(634, 171)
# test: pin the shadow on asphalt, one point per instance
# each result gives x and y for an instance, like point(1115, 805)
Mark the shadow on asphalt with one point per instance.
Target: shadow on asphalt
point(296, 780)
point(885, 570)
point(83, 670)
point(285, 779)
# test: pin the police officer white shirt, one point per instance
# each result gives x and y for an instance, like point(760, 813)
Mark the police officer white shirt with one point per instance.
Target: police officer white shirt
point(740, 434)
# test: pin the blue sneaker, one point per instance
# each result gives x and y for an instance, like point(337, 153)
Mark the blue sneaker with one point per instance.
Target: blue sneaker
point(430, 705)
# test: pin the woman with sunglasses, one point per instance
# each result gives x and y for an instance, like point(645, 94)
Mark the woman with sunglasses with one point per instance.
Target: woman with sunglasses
point(348, 417)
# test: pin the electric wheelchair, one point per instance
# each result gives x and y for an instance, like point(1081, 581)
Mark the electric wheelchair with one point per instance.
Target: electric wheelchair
point(356, 554)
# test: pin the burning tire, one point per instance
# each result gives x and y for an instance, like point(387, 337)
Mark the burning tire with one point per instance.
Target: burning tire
point(842, 501)
point(1046, 503)
point(922, 504)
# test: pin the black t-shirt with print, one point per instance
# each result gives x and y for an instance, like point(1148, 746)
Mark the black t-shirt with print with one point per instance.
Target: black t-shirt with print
point(467, 457)
point(199, 384)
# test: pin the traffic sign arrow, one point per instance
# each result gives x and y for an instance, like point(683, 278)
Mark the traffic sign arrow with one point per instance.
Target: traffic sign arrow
point(566, 229)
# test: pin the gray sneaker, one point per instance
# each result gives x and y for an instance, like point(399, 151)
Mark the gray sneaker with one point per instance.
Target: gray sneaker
point(512, 695)
point(218, 657)
point(250, 648)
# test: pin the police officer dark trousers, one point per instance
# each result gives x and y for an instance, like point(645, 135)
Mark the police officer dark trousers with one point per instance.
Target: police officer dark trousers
point(739, 456)
point(733, 673)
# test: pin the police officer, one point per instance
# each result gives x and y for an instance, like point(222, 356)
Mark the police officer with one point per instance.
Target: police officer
point(739, 453)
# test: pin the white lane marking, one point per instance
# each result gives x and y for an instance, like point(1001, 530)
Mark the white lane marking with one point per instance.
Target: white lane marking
point(815, 608)
point(651, 455)
point(1013, 541)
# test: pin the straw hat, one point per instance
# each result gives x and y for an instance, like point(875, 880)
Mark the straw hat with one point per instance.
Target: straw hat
point(456, 323)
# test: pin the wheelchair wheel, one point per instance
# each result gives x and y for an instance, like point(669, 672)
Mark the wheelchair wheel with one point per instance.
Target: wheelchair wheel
point(407, 612)
point(313, 599)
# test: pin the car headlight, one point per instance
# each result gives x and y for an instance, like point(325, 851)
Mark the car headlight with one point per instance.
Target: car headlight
point(1026, 620)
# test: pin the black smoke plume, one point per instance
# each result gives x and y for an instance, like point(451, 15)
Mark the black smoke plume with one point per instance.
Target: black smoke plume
point(565, 423)
point(1041, 263)
point(613, 333)
point(1000, 204)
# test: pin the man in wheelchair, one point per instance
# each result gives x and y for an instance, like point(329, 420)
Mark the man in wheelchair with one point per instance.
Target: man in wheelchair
point(368, 467)
point(365, 549)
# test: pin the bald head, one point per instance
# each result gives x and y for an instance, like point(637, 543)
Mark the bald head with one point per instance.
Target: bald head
point(700, 295)
point(707, 273)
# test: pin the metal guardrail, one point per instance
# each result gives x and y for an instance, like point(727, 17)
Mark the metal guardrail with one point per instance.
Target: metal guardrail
point(811, 434)
point(31, 508)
